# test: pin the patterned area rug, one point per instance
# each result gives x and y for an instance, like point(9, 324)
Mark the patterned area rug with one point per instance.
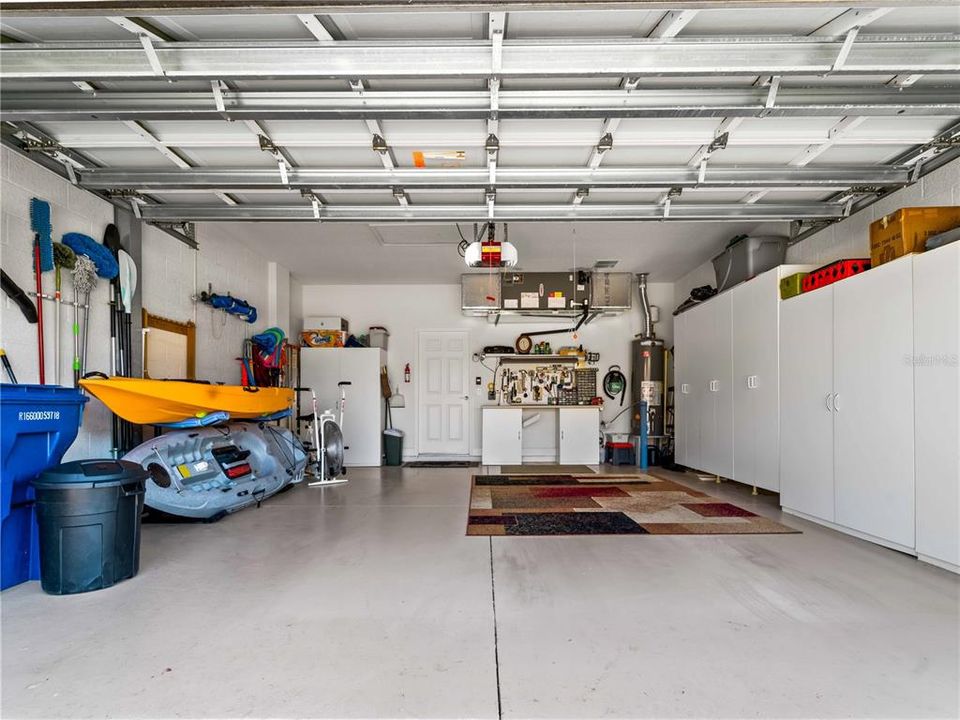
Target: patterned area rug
point(603, 505)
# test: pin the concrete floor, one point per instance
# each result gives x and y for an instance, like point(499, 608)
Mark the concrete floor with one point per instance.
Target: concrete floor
point(367, 600)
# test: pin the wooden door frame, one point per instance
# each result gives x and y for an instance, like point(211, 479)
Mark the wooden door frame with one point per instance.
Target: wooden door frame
point(418, 374)
point(189, 329)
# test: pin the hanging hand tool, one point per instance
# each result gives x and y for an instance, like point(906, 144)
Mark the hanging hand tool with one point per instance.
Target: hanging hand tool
point(63, 257)
point(7, 367)
point(42, 261)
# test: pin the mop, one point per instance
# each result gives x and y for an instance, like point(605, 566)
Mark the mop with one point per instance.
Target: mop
point(43, 261)
point(84, 281)
point(63, 257)
point(98, 261)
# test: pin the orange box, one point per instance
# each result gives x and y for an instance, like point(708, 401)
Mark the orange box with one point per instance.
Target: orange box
point(322, 338)
point(906, 230)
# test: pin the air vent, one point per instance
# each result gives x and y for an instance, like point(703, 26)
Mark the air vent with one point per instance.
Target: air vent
point(605, 264)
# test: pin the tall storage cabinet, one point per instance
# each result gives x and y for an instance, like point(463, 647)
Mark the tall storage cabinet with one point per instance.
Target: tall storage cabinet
point(846, 382)
point(873, 402)
point(806, 405)
point(321, 369)
point(756, 381)
point(727, 382)
point(936, 333)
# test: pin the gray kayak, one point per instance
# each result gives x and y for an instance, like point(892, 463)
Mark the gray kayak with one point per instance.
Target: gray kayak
point(208, 472)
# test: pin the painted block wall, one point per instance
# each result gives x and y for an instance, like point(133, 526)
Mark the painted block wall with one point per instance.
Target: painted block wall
point(407, 309)
point(169, 275)
point(850, 238)
point(176, 273)
point(71, 210)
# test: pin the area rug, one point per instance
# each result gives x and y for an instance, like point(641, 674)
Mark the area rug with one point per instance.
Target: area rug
point(545, 469)
point(517, 505)
point(440, 464)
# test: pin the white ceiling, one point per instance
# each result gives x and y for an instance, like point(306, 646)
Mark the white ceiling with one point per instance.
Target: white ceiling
point(407, 253)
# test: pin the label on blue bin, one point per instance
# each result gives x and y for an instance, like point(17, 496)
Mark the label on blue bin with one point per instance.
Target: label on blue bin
point(36, 415)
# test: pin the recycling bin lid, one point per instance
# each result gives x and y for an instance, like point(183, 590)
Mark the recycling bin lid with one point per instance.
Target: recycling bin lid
point(101, 473)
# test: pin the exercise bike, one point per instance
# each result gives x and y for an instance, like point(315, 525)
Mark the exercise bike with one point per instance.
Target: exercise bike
point(327, 465)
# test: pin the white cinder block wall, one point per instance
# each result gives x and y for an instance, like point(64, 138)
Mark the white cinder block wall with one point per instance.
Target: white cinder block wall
point(175, 273)
point(71, 210)
point(169, 275)
point(407, 309)
point(850, 238)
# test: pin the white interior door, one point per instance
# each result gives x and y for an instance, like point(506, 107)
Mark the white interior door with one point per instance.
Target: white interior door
point(873, 402)
point(806, 404)
point(443, 393)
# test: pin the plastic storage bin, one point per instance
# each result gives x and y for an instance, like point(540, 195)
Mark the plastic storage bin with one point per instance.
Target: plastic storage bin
point(379, 337)
point(38, 423)
point(747, 258)
point(88, 513)
point(393, 446)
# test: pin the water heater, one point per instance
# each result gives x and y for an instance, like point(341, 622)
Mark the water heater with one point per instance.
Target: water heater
point(647, 371)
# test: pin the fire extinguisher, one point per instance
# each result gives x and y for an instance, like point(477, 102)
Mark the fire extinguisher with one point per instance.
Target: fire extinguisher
point(406, 373)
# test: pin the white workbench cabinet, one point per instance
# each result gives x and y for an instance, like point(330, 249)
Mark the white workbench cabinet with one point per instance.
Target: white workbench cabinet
point(936, 373)
point(579, 436)
point(502, 436)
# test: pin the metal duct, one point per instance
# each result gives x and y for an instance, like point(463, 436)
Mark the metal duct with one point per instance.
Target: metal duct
point(646, 331)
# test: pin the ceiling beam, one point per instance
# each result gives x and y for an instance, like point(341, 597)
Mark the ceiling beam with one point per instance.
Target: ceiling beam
point(81, 8)
point(502, 213)
point(161, 180)
point(138, 26)
point(663, 57)
point(852, 19)
point(511, 104)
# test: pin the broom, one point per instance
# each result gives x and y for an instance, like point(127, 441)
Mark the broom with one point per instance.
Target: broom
point(42, 262)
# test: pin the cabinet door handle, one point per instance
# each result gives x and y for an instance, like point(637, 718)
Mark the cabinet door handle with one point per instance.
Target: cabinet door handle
point(836, 402)
point(827, 402)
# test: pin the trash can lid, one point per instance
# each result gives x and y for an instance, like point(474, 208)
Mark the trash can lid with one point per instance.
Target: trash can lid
point(104, 472)
point(393, 432)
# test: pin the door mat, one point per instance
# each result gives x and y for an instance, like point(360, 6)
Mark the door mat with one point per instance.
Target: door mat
point(546, 469)
point(441, 464)
point(603, 505)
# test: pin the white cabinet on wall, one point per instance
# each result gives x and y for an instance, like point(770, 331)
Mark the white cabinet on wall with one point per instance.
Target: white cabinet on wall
point(847, 447)
point(502, 436)
point(936, 332)
point(579, 440)
point(756, 381)
point(322, 369)
point(806, 404)
point(704, 378)
point(727, 382)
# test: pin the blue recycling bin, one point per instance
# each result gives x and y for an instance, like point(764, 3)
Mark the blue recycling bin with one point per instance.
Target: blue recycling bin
point(38, 423)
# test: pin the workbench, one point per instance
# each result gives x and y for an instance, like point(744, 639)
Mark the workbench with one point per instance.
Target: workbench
point(578, 433)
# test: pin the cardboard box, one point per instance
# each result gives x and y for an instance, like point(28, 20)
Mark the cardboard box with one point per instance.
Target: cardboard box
point(322, 338)
point(906, 230)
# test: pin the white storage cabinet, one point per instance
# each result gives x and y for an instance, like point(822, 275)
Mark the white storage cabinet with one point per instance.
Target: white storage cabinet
point(847, 417)
point(322, 369)
point(502, 436)
point(579, 441)
point(936, 337)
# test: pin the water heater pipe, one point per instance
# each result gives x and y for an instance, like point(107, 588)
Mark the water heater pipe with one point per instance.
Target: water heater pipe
point(646, 331)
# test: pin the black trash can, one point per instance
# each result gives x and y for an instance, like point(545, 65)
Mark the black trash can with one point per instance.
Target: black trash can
point(88, 513)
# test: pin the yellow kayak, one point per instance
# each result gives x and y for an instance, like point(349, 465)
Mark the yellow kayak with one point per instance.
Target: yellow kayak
point(148, 402)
